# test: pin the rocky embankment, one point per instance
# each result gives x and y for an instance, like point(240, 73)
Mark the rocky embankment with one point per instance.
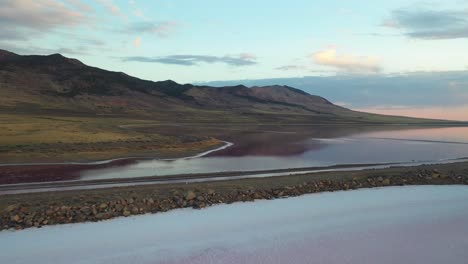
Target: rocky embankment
point(30, 211)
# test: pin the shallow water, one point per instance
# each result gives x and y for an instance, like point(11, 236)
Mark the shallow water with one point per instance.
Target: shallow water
point(268, 147)
point(418, 225)
point(302, 146)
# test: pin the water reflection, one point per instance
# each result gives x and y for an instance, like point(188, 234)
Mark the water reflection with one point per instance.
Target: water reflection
point(269, 147)
point(281, 147)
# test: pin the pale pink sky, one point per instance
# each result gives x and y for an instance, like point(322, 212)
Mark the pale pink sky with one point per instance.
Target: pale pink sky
point(450, 113)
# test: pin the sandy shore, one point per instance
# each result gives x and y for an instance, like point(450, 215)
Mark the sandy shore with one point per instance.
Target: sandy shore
point(48, 208)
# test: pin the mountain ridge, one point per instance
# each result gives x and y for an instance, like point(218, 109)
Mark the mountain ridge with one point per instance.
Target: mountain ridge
point(55, 83)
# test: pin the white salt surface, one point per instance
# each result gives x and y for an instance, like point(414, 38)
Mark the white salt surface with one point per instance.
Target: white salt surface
point(417, 225)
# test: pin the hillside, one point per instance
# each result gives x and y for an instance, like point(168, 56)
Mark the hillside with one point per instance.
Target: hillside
point(54, 108)
point(56, 85)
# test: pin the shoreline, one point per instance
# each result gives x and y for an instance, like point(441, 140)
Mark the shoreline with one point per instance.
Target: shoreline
point(75, 185)
point(227, 144)
point(70, 185)
point(21, 211)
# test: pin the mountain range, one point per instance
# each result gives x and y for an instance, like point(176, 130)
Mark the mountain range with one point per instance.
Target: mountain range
point(58, 85)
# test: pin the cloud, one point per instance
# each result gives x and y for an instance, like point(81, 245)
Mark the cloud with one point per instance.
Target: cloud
point(111, 7)
point(137, 42)
point(161, 29)
point(290, 67)
point(430, 24)
point(248, 56)
point(192, 60)
point(9, 34)
point(80, 5)
point(350, 63)
point(29, 17)
point(35, 50)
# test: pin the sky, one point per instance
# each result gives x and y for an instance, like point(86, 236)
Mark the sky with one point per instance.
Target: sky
point(196, 41)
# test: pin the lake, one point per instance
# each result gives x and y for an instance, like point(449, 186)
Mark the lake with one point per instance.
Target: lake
point(269, 147)
point(418, 225)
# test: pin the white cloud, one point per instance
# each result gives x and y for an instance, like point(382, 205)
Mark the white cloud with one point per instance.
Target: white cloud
point(137, 42)
point(347, 62)
point(111, 7)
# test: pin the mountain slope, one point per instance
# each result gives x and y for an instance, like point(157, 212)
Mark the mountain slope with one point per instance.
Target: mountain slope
point(55, 84)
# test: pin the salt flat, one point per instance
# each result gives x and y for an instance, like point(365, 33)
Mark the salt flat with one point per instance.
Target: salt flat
point(425, 224)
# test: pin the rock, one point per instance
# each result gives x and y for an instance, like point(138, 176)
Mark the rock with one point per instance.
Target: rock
point(16, 218)
point(103, 216)
point(200, 198)
point(11, 208)
point(118, 207)
point(443, 176)
point(199, 205)
point(135, 210)
point(257, 195)
point(103, 206)
point(380, 179)
point(100, 216)
point(126, 213)
point(386, 182)
point(211, 191)
point(190, 196)
point(86, 210)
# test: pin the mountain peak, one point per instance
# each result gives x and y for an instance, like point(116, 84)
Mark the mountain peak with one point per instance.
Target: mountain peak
point(56, 55)
point(7, 54)
point(59, 58)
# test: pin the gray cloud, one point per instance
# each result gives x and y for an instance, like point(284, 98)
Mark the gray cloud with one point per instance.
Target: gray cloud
point(191, 60)
point(21, 20)
point(38, 14)
point(9, 34)
point(162, 29)
point(34, 50)
point(290, 67)
point(437, 88)
point(430, 24)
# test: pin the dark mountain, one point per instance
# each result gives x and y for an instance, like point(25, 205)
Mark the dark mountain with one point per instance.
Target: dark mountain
point(55, 84)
